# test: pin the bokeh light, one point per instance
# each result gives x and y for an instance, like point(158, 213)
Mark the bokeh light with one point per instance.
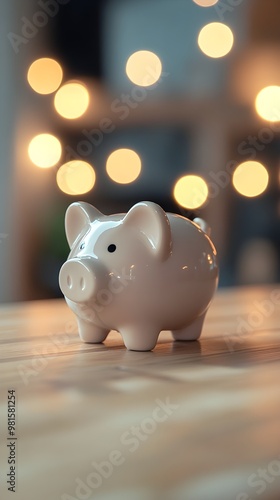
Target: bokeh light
point(75, 177)
point(71, 100)
point(268, 103)
point(44, 150)
point(123, 166)
point(144, 68)
point(250, 178)
point(45, 75)
point(205, 3)
point(215, 40)
point(191, 191)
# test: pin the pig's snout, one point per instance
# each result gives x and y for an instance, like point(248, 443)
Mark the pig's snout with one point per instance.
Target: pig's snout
point(78, 280)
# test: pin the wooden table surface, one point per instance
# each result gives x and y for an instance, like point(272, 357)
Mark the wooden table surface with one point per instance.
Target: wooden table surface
point(187, 421)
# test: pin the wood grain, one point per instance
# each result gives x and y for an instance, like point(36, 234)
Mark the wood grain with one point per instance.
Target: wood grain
point(189, 420)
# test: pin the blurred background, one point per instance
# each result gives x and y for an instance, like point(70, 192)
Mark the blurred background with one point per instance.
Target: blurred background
point(118, 101)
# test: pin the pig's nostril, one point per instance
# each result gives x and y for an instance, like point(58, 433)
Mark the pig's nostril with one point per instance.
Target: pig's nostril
point(82, 284)
point(69, 282)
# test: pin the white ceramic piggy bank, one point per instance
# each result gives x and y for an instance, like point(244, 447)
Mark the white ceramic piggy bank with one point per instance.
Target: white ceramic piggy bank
point(137, 273)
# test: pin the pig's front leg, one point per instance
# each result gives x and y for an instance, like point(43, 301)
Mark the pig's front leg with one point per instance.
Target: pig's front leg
point(140, 337)
point(190, 332)
point(91, 333)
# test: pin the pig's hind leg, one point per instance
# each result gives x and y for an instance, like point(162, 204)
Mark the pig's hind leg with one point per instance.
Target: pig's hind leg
point(190, 332)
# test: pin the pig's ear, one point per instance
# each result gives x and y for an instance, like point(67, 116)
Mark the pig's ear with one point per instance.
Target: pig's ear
point(78, 216)
point(152, 223)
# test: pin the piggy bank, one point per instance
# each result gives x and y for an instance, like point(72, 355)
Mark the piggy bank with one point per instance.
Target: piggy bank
point(137, 273)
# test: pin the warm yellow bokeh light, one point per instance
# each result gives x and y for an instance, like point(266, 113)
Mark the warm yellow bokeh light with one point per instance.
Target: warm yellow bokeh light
point(144, 68)
point(123, 166)
point(191, 191)
point(71, 100)
point(44, 150)
point(205, 3)
point(250, 178)
point(45, 75)
point(75, 177)
point(215, 40)
point(268, 103)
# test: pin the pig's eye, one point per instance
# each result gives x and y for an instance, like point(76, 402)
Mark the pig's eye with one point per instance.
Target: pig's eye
point(82, 246)
point(112, 248)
